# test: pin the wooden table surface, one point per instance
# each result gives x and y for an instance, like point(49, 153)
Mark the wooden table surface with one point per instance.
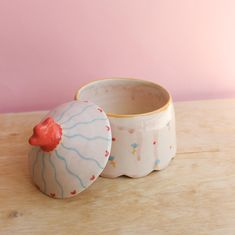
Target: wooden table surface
point(194, 195)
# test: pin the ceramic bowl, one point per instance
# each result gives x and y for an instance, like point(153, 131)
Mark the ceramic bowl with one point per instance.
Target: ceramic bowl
point(142, 119)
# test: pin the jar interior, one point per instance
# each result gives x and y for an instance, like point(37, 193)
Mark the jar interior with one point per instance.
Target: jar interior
point(125, 96)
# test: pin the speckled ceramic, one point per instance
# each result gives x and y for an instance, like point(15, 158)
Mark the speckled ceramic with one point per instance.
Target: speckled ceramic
point(131, 132)
point(72, 146)
point(142, 120)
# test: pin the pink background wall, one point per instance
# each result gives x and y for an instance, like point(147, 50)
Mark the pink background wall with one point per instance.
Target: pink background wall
point(48, 48)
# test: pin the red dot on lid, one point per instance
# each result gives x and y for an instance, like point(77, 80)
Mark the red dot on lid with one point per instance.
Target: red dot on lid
point(73, 192)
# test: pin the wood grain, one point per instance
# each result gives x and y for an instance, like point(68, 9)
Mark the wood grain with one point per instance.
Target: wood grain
point(194, 195)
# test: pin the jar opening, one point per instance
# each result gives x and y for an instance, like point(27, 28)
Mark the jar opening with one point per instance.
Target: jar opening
point(123, 97)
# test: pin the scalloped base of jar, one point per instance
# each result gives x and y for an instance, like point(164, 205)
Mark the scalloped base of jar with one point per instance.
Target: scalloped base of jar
point(138, 175)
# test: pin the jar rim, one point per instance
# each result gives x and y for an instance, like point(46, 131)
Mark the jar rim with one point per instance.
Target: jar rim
point(111, 114)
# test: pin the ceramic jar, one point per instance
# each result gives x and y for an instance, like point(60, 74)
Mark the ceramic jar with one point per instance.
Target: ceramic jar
point(114, 127)
point(142, 120)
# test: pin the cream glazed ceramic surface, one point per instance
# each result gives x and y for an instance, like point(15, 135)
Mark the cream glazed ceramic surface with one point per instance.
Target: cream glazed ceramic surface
point(71, 148)
point(142, 119)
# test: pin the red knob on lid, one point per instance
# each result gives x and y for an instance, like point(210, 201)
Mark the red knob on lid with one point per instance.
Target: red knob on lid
point(46, 134)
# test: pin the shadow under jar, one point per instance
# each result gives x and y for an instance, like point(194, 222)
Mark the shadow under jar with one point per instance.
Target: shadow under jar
point(142, 120)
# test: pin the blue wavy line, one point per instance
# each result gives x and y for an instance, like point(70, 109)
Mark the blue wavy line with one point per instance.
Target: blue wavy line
point(81, 156)
point(55, 176)
point(84, 123)
point(88, 138)
point(77, 114)
point(66, 110)
point(42, 171)
point(67, 168)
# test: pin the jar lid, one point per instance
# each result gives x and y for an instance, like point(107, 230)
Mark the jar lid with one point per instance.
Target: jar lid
point(71, 148)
